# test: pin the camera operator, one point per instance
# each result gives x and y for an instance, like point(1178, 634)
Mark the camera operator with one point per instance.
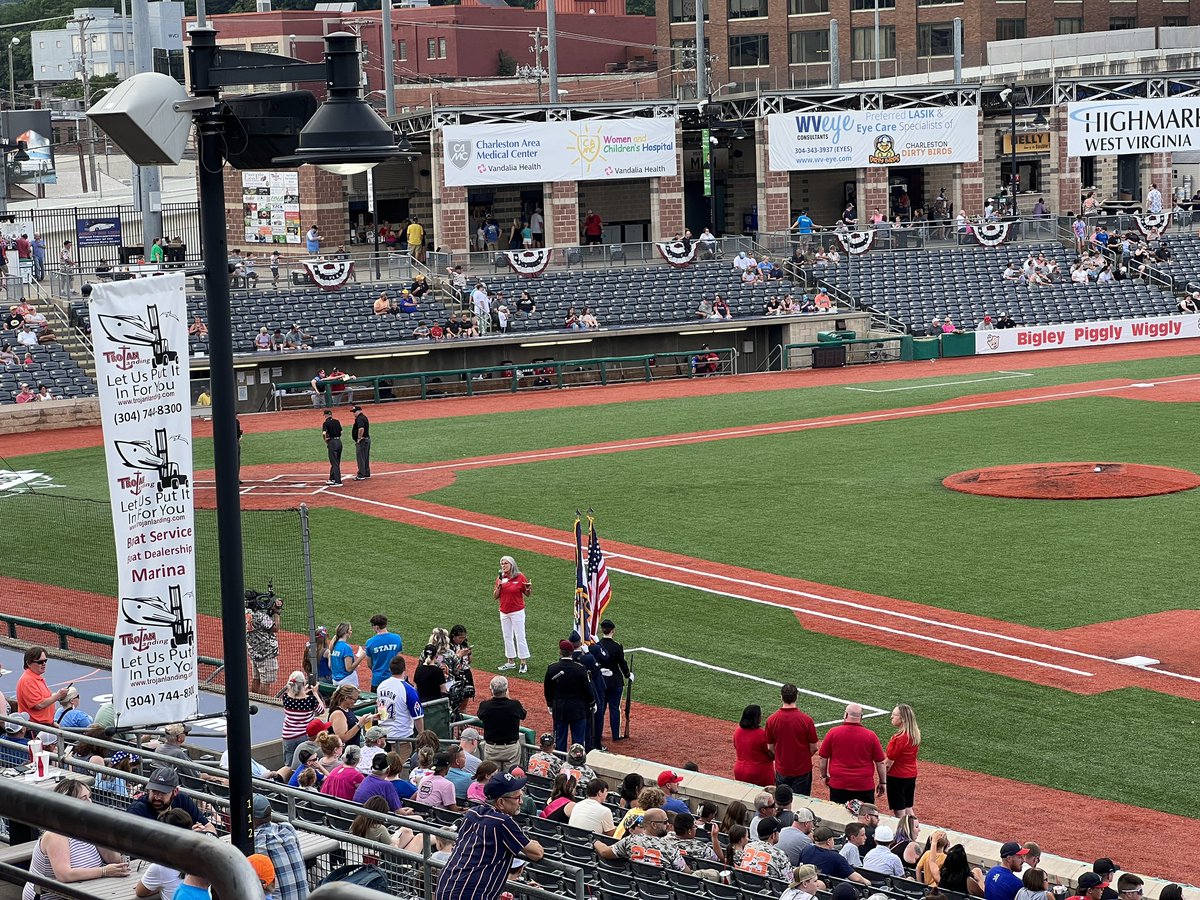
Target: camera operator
point(262, 641)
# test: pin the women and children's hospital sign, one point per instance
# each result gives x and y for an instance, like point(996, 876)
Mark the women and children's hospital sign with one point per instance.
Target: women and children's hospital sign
point(591, 150)
point(139, 329)
point(918, 136)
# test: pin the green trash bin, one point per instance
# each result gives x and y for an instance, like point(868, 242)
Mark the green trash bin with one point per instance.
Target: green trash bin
point(828, 336)
point(906, 348)
point(844, 335)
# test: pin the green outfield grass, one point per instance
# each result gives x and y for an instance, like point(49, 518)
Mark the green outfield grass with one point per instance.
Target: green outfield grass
point(859, 506)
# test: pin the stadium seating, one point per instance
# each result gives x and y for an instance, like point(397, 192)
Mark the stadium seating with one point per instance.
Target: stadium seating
point(51, 366)
point(967, 284)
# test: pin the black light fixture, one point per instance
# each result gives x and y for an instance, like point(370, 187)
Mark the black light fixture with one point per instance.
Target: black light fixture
point(740, 133)
point(345, 135)
point(1040, 121)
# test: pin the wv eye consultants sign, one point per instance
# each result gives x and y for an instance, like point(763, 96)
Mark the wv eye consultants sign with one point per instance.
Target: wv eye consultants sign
point(1133, 126)
point(591, 150)
point(920, 136)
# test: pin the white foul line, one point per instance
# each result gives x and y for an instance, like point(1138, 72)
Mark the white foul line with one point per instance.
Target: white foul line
point(710, 575)
point(874, 710)
point(917, 387)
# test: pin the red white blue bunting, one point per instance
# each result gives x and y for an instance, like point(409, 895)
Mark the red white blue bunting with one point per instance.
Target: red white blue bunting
point(528, 263)
point(328, 275)
point(991, 234)
point(1151, 222)
point(856, 242)
point(677, 253)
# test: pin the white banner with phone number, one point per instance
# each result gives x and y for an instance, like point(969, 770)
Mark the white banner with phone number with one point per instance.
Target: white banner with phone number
point(139, 330)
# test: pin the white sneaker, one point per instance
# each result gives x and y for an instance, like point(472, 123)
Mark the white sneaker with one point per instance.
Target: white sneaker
point(507, 667)
point(524, 670)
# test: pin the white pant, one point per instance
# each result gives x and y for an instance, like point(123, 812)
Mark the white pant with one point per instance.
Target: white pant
point(513, 626)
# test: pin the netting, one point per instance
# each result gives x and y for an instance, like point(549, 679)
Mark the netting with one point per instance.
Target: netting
point(61, 569)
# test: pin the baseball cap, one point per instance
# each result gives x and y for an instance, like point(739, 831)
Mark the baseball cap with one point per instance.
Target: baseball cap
point(470, 734)
point(72, 693)
point(767, 826)
point(374, 733)
point(565, 647)
point(666, 776)
point(884, 834)
point(1089, 880)
point(315, 727)
point(261, 807)
point(802, 873)
point(804, 814)
point(379, 762)
point(322, 631)
point(547, 739)
point(329, 412)
point(263, 867)
point(1008, 848)
point(844, 890)
point(608, 625)
point(356, 408)
point(47, 738)
point(1104, 866)
point(820, 835)
point(17, 727)
point(175, 730)
point(164, 779)
point(577, 753)
point(499, 785)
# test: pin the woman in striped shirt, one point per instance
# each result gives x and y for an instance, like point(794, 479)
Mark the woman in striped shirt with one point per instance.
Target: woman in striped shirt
point(68, 860)
point(301, 704)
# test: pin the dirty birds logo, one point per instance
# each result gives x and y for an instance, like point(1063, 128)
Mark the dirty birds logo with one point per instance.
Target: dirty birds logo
point(885, 151)
point(587, 146)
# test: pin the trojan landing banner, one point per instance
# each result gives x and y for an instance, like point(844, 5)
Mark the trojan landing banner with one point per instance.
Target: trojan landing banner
point(921, 136)
point(1132, 126)
point(592, 150)
point(139, 329)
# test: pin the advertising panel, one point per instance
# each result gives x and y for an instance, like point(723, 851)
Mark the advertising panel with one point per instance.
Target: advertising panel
point(139, 329)
point(1097, 128)
point(592, 150)
point(103, 231)
point(271, 207)
point(917, 136)
point(1087, 334)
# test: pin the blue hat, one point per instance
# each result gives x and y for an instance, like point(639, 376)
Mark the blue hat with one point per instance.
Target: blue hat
point(502, 783)
point(575, 638)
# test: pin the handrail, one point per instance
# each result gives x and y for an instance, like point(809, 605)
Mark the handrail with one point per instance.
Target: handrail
point(64, 632)
point(224, 866)
point(514, 373)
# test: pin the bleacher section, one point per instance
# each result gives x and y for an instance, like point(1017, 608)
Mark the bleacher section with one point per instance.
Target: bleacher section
point(51, 366)
point(1184, 267)
point(967, 284)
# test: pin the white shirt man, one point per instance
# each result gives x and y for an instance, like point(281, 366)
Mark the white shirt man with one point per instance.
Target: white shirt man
point(482, 304)
point(405, 717)
point(26, 338)
point(880, 858)
point(1154, 201)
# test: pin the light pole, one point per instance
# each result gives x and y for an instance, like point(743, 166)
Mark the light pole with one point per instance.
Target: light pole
point(12, 81)
point(1012, 148)
point(344, 135)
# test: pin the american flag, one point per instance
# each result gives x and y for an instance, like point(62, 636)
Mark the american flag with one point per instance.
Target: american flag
point(599, 591)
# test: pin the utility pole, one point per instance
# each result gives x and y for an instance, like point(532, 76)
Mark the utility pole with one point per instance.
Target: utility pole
point(83, 22)
point(701, 55)
point(537, 69)
point(147, 180)
point(389, 64)
point(552, 51)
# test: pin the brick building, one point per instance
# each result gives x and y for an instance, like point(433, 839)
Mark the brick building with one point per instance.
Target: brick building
point(782, 44)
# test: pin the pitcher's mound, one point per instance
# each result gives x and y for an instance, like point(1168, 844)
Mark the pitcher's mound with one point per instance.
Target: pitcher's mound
point(1073, 481)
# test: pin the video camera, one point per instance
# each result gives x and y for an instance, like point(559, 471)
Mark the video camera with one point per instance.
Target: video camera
point(269, 603)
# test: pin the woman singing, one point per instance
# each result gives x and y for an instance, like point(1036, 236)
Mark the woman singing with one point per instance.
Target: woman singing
point(511, 590)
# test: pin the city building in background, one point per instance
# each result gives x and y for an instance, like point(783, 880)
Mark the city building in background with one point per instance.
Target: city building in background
point(105, 44)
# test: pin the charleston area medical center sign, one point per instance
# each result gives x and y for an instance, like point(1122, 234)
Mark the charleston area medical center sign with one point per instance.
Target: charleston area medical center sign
point(591, 150)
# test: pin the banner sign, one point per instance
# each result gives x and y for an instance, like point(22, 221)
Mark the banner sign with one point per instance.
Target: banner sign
point(917, 136)
point(139, 328)
point(591, 150)
point(102, 232)
point(1096, 128)
point(1087, 334)
point(271, 207)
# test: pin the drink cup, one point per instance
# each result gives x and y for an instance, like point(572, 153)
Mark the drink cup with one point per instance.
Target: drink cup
point(35, 749)
point(43, 764)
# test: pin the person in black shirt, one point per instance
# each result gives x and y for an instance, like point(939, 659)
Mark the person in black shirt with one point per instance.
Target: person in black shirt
point(568, 693)
point(331, 429)
point(361, 432)
point(501, 717)
point(615, 670)
point(238, 422)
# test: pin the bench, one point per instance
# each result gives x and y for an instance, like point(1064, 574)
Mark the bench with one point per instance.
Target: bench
point(17, 854)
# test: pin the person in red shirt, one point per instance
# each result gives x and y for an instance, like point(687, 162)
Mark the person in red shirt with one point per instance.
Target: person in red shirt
point(792, 737)
point(593, 229)
point(511, 590)
point(851, 755)
point(753, 762)
point(901, 762)
point(33, 697)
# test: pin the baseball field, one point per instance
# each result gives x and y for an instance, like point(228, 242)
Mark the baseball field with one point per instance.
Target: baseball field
point(790, 527)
